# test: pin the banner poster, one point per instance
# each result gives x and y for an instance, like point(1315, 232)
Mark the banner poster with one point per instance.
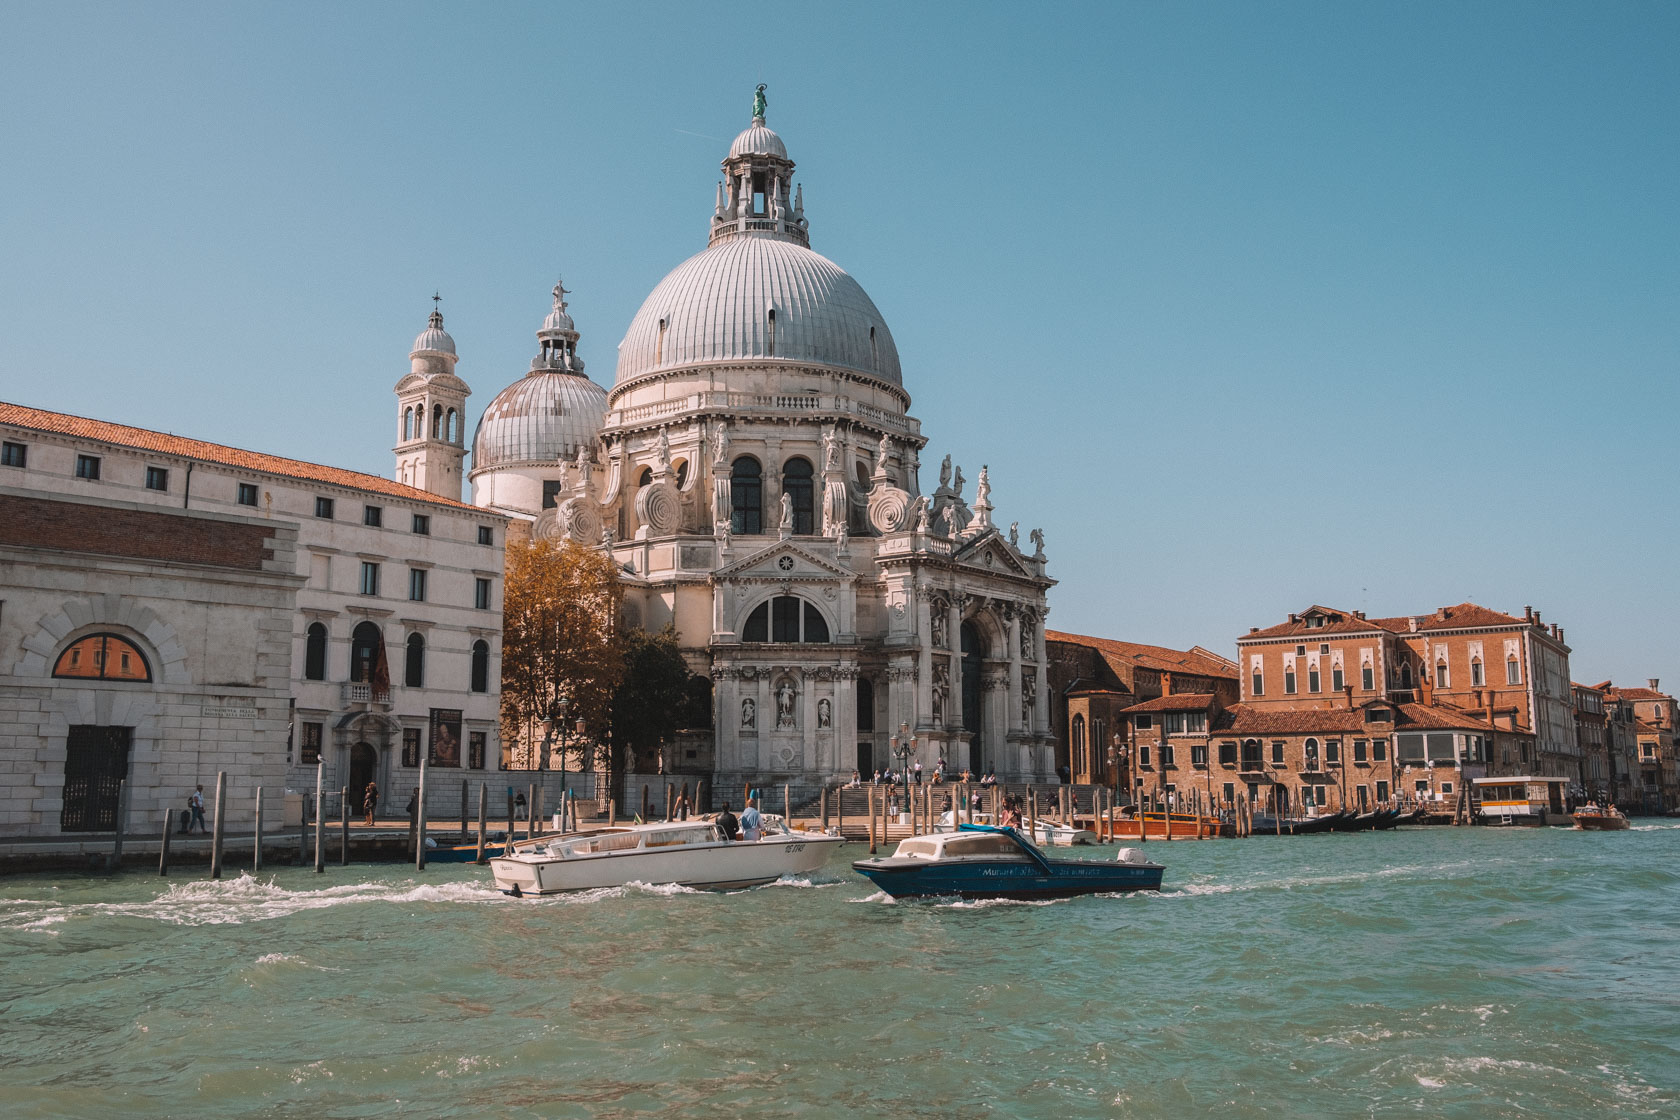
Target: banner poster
point(445, 747)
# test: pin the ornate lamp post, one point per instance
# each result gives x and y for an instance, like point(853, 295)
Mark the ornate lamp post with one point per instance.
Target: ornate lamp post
point(1118, 756)
point(904, 749)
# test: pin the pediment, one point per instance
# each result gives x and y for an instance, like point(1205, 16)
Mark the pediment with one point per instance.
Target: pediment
point(1004, 558)
point(784, 560)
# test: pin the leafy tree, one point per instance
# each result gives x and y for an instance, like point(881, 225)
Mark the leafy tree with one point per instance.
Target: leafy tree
point(559, 639)
point(657, 696)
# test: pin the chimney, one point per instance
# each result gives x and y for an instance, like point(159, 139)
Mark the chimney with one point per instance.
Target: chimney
point(1652, 681)
point(1537, 621)
point(1528, 614)
point(1426, 690)
point(1560, 636)
point(1412, 624)
point(1254, 629)
point(1347, 691)
point(1556, 633)
point(1292, 618)
point(1440, 614)
point(1166, 684)
point(1359, 615)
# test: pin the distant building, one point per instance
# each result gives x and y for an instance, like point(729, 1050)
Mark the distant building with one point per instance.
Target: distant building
point(1653, 717)
point(389, 647)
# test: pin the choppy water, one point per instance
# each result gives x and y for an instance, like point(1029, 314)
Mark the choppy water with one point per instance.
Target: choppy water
point(1475, 973)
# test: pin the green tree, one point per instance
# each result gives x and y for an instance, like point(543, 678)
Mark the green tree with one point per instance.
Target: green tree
point(658, 696)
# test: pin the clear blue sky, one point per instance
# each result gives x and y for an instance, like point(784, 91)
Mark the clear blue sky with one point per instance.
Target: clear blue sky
point(1250, 306)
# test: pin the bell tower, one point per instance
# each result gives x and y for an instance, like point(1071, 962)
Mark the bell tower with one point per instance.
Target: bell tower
point(432, 414)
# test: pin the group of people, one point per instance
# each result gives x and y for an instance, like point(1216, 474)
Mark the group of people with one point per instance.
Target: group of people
point(750, 824)
point(890, 777)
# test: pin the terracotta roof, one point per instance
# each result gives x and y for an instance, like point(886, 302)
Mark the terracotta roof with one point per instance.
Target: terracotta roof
point(1199, 662)
point(143, 439)
point(1450, 618)
point(1646, 694)
point(1183, 702)
point(1243, 719)
point(1336, 622)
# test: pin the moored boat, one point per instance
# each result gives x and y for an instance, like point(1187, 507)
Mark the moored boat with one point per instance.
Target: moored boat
point(1590, 818)
point(691, 853)
point(980, 861)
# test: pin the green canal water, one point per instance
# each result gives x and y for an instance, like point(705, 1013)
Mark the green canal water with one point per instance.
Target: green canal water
point(1471, 972)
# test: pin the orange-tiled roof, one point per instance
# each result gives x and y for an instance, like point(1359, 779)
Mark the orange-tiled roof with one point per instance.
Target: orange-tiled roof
point(1199, 662)
point(124, 435)
point(1450, 618)
point(1645, 727)
point(1641, 694)
point(1183, 702)
point(1243, 719)
point(1335, 622)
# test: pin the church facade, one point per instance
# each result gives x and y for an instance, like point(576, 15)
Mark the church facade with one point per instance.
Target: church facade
point(756, 473)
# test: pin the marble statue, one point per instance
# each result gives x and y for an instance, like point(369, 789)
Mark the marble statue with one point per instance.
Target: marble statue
point(720, 442)
point(784, 705)
point(1037, 536)
point(883, 452)
point(786, 524)
point(831, 450)
point(1029, 696)
point(824, 713)
point(758, 102)
point(1015, 534)
point(945, 473)
point(941, 686)
point(1026, 641)
point(983, 489)
point(957, 485)
point(662, 449)
point(936, 617)
point(749, 714)
point(922, 525)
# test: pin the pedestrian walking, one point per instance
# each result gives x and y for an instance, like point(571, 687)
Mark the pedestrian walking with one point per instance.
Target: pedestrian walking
point(196, 804)
point(370, 801)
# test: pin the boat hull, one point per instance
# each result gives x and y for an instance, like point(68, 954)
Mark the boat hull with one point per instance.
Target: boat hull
point(715, 866)
point(1600, 822)
point(1022, 880)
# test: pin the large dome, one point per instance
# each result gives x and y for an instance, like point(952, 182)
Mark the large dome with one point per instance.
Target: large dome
point(541, 418)
point(716, 307)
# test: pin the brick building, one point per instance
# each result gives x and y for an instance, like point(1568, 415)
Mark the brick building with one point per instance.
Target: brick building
point(1650, 714)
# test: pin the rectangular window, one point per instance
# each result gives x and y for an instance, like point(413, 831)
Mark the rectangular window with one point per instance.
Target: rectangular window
point(784, 618)
point(1332, 752)
point(1289, 682)
point(1446, 788)
point(1227, 754)
point(1440, 747)
point(417, 585)
point(1143, 721)
point(373, 516)
point(1251, 756)
point(1422, 787)
point(486, 535)
point(422, 525)
point(370, 578)
point(1337, 682)
point(157, 478)
point(87, 466)
point(1476, 674)
point(1143, 756)
point(475, 750)
point(311, 745)
point(14, 454)
point(1382, 792)
point(324, 508)
point(1230, 793)
point(1359, 750)
point(1312, 680)
point(1513, 675)
point(1198, 754)
point(1173, 722)
point(411, 746)
point(1443, 679)
point(1195, 722)
point(1167, 762)
point(1408, 748)
point(551, 495)
point(247, 495)
point(1259, 684)
point(1367, 679)
point(1379, 750)
point(481, 594)
point(1277, 754)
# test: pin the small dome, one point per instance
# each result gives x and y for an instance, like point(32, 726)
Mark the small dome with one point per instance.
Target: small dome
point(558, 320)
point(541, 418)
point(434, 338)
point(758, 140)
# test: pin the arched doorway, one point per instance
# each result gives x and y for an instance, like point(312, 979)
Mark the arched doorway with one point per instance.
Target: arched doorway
point(364, 761)
point(973, 658)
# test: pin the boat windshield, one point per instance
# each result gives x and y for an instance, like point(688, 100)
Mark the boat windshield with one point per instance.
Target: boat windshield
point(594, 844)
point(982, 844)
point(922, 849)
point(671, 837)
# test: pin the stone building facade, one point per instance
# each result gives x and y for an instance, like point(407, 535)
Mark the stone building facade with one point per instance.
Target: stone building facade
point(756, 474)
point(394, 629)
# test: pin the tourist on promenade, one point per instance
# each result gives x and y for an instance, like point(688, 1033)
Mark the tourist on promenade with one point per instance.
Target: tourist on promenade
point(727, 823)
point(370, 801)
point(196, 804)
point(752, 824)
point(918, 773)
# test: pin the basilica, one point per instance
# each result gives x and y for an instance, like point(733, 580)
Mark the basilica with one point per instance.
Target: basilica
point(756, 474)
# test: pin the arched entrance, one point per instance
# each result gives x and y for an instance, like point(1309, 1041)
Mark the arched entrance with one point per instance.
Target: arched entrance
point(973, 658)
point(364, 761)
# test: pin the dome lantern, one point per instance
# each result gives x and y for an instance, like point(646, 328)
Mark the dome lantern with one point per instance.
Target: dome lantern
point(753, 200)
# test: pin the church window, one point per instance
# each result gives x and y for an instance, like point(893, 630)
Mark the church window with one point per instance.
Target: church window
point(551, 497)
point(373, 516)
point(796, 484)
point(157, 478)
point(103, 657)
point(422, 525)
point(659, 343)
point(746, 489)
point(14, 454)
point(315, 653)
point(437, 420)
point(408, 424)
point(87, 466)
point(452, 427)
point(770, 332)
point(874, 353)
point(324, 508)
point(865, 705)
point(785, 618)
point(758, 192)
point(864, 484)
point(481, 666)
point(1076, 743)
point(414, 666)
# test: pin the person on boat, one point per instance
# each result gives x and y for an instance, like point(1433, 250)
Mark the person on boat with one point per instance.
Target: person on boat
point(726, 822)
point(752, 823)
point(1012, 813)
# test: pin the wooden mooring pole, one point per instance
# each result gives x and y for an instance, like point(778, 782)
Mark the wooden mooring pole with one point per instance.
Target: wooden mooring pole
point(872, 848)
point(787, 805)
point(320, 816)
point(256, 827)
point(420, 820)
point(344, 826)
point(163, 849)
point(464, 784)
point(216, 837)
point(483, 819)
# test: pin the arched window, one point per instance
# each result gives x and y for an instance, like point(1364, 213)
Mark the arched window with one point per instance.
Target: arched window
point(1076, 740)
point(437, 421)
point(786, 618)
point(645, 478)
point(481, 666)
point(1513, 673)
point(864, 484)
point(414, 668)
point(1442, 680)
point(408, 424)
point(366, 652)
point(1310, 749)
point(865, 705)
point(103, 657)
point(796, 484)
point(1477, 676)
point(746, 489)
point(315, 653)
point(452, 428)
point(1405, 675)
point(682, 473)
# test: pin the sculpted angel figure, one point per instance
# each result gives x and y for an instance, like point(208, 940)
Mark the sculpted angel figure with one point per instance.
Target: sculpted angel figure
point(956, 487)
point(1037, 536)
point(831, 450)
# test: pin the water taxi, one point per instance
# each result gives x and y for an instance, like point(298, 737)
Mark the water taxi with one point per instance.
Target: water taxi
point(980, 861)
point(1591, 818)
point(1525, 800)
point(691, 853)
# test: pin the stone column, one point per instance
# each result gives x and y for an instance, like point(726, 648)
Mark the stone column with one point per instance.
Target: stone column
point(1012, 638)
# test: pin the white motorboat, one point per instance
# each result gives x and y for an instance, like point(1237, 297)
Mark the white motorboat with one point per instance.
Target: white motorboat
point(691, 853)
point(1045, 833)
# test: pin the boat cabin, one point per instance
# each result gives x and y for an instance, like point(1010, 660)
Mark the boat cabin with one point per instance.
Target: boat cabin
point(608, 841)
point(1521, 800)
point(956, 845)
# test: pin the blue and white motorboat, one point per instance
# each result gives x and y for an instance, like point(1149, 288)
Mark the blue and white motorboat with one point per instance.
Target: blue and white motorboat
point(982, 861)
